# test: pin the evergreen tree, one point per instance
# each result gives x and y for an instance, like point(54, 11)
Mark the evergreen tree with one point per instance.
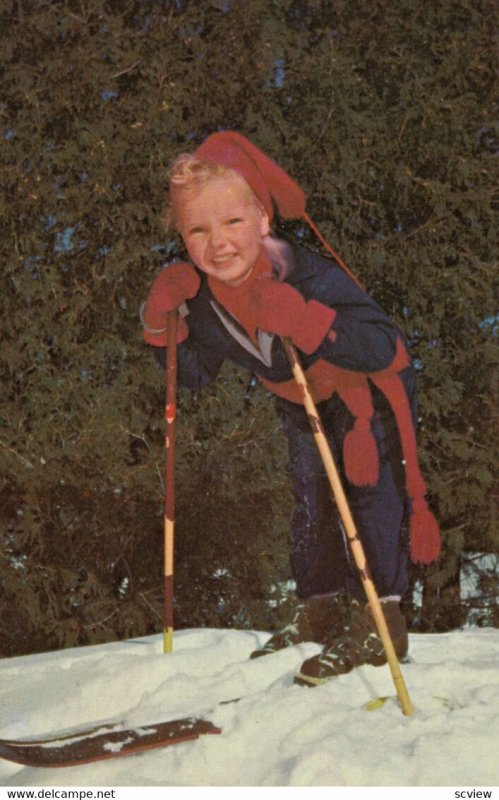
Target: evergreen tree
point(383, 113)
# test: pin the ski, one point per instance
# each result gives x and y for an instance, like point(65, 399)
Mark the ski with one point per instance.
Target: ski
point(110, 741)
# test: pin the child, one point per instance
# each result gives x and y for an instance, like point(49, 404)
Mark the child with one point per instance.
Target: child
point(243, 291)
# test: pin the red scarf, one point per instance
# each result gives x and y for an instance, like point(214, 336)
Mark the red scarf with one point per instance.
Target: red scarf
point(241, 301)
point(360, 452)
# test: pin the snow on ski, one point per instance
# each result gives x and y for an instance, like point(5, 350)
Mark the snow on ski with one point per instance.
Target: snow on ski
point(70, 733)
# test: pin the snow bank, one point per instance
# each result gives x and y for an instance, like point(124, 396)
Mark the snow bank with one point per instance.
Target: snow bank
point(277, 734)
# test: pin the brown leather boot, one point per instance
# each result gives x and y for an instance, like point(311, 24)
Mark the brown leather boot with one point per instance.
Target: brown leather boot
point(359, 644)
point(316, 619)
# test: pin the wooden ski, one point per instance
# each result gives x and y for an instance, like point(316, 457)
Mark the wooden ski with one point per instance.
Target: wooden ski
point(107, 742)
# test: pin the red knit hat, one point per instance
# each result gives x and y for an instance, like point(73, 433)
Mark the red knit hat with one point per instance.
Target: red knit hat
point(266, 178)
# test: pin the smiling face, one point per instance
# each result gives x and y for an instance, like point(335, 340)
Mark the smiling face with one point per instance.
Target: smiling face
point(222, 225)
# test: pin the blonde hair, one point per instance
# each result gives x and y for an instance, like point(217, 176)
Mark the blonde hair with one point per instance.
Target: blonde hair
point(189, 172)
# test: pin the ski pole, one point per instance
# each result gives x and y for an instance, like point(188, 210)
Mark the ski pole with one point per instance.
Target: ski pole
point(170, 430)
point(349, 525)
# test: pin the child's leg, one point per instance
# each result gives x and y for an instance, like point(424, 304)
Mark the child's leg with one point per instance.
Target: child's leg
point(318, 555)
point(379, 511)
point(379, 515)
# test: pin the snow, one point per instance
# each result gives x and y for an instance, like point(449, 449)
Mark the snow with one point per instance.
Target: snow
point(278, 734)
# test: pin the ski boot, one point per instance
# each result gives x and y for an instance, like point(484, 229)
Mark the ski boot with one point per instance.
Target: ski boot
point(359, 644)
point(317, 619)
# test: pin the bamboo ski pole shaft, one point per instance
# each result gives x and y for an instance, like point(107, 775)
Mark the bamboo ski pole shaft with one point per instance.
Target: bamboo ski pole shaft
point(349, 526)
point(170, 432)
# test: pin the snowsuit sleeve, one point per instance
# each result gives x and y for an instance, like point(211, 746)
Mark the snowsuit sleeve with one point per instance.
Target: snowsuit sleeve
point(362, 337)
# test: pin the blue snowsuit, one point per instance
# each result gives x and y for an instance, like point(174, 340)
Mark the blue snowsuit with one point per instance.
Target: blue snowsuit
point(364, 341)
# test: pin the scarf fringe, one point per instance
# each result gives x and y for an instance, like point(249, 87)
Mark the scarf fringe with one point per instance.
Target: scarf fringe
point(360, 454)
point(424, 533)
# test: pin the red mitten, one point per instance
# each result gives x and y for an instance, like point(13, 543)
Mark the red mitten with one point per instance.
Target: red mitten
point(172, 287)
point(281, 309)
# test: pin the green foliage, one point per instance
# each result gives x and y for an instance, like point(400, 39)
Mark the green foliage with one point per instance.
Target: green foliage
point(383, 112)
